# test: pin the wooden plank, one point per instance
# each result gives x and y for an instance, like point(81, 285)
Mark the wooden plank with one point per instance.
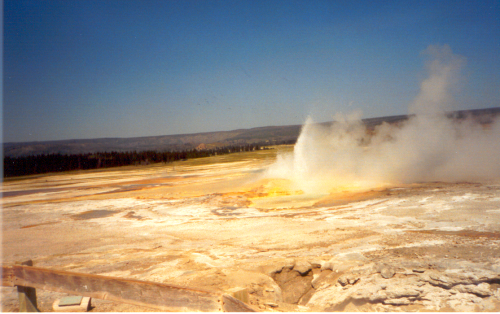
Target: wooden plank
point(231, 304)
point(7, 277)
point(27, 295)
point(27, 299)
point(145, 293)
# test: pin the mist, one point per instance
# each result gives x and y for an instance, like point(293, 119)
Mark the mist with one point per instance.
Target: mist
point(429, 146)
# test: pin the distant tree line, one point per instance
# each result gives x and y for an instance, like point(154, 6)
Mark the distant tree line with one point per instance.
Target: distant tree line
point(38, 164)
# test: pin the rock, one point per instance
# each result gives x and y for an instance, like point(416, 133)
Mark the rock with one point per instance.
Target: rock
point(440, 281)
point(401, 301)
point(294, 290)
point(344, 261)
point(374, 297)
point(316, 264)
point(348, 279)
point(387, 273)
point(306, 297)
point(343, 281)
point(253, 282)
point(481, 290)
point(324, 279)
point(272, 269)
point(419, 270)
point(465, 302)
point(271, 304)
point(302, 268)
point(401, 292)
point(315, 280)
point(293, 285)
point(289, 264)
point(326, 265)
point(326, 298)
point(454, 289)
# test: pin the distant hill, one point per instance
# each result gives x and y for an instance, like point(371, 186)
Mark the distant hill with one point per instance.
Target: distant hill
point(269, 135)
point(178, 142)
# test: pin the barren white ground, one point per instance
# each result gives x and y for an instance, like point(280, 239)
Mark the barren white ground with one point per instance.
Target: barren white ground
point(217, 223)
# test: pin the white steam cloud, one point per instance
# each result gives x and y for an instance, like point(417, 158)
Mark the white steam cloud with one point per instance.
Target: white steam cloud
point(427, 147)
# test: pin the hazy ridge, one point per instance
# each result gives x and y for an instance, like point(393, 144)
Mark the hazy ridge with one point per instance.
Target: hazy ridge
point(269, 134)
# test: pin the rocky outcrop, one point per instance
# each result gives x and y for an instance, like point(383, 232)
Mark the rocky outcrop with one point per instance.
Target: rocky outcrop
point(369, 288)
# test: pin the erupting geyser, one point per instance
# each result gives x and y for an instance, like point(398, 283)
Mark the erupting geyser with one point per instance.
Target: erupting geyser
point(428, 146)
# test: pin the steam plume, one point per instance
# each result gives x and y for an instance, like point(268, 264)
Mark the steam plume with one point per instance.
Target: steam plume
point(426, 147)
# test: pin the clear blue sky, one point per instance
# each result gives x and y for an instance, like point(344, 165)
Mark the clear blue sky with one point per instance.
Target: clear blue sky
point(94, 69)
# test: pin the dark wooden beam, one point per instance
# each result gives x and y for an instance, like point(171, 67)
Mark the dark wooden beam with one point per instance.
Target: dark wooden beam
point(161, 296)
point(7, 276)
point(27, 295)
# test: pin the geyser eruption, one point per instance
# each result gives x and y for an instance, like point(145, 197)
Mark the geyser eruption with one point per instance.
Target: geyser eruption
point(436, 92)
point(429, 146)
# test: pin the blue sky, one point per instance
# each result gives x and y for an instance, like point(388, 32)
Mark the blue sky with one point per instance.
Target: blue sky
point(94, 69)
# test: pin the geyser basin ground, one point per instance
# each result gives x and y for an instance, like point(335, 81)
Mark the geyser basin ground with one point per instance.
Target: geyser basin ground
point(215, 223)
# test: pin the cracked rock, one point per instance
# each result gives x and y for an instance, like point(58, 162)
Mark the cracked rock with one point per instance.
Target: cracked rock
point(481, 290)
